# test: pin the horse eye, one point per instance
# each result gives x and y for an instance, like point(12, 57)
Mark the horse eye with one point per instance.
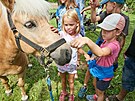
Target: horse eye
point(30, 24)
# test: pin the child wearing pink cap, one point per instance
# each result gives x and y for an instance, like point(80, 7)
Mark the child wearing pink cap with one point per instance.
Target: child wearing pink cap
point(112, 6)
point(101, 67)
point(128, 73)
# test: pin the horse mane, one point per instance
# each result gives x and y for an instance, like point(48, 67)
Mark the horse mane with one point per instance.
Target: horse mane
point(32, 7)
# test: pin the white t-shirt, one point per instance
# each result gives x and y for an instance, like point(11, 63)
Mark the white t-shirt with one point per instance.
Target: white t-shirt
point(71, 66)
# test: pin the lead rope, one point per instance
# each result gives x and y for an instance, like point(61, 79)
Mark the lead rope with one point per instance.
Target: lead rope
point(46, 68)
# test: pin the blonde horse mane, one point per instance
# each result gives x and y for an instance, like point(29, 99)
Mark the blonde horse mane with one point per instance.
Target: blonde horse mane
point(32, 7)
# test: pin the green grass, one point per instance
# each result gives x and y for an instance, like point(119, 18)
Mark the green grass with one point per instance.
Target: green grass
point(36, 86)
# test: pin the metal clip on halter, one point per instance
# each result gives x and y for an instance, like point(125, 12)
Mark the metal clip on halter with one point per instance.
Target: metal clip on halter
point(45, 52)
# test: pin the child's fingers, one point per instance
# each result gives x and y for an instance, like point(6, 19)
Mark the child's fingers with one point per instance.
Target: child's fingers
point(94, 3)
point(55, 30)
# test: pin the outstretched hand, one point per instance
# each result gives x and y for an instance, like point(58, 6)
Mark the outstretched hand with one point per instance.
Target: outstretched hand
point(79, 42)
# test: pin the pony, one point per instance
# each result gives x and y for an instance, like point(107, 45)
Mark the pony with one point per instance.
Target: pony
point(26, 20)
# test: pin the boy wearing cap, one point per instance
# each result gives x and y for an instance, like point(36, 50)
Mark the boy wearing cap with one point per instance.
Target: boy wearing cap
point(102, 67)
point(112, 6)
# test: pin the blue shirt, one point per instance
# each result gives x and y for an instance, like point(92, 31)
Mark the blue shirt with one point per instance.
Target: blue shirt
point(59, 13)
point(81, 4)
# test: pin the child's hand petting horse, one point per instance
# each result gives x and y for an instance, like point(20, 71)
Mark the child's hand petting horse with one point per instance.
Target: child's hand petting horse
point(79, 42)
point(55, 30)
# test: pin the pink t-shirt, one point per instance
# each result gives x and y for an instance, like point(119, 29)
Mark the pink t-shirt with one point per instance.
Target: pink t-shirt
point(107, 61)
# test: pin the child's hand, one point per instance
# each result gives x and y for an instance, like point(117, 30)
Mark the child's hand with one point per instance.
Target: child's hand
point(87, 57)
point(55, 30)
point(80, 50)
point(94, 3)
point(79, 42)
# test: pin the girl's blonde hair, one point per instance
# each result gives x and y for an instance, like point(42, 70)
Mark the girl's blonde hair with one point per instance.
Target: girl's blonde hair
point(71, 13)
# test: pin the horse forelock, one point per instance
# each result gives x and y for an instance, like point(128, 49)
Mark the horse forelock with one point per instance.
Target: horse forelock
point(32, 7)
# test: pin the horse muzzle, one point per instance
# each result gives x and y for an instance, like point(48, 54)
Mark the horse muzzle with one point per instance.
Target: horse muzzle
point(62, 56)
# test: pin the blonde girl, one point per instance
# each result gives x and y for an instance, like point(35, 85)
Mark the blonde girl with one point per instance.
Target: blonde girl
point(70, 31)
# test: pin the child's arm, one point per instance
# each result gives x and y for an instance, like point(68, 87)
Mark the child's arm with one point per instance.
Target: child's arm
point(81, 51)
point(79, 42)
point(87, 57)
point(94, 17)
point(85, 9)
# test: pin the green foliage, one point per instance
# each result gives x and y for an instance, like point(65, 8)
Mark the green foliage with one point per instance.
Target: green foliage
point(130, 4)
point(52, 0)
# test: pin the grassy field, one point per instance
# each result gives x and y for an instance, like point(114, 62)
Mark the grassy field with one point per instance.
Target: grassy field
point(36, 86)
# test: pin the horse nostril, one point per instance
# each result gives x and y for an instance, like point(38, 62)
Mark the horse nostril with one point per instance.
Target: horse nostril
point(68, 56)
point(65, 57)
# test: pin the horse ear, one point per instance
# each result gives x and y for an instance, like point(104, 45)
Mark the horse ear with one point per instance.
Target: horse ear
point(8, 3)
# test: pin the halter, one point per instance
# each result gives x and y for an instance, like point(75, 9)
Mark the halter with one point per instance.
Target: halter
point(46, 51)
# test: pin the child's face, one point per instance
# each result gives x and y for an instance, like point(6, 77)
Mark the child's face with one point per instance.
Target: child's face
point(63, 1)
point(110, 7)
point(109, 35)
point(70, 26)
